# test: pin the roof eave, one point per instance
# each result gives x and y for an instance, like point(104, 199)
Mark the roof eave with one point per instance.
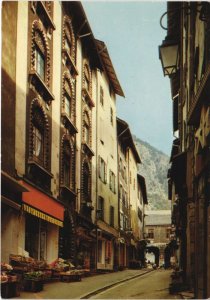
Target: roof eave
point(108, 67)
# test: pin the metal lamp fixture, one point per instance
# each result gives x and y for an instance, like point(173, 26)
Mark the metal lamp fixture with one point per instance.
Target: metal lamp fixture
point(169, 56)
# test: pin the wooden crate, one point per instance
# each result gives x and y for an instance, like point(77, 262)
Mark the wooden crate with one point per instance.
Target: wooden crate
point(70, 277)
point(32, 285)
point(10, 289)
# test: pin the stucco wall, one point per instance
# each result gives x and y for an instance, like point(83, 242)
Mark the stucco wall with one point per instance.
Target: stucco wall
point(12, 233)
point(21, 82)
point(133, 194)
point(107, 147)
point(8, 87)
point(56, 90)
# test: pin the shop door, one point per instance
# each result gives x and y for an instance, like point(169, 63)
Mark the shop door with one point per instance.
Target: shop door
point(43, 241)
point(35, 237)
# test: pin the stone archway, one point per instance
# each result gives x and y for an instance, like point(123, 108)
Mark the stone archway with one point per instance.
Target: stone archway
point(156, 251)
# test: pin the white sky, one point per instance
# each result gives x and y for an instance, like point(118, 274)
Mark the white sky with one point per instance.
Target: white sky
point(132, 33)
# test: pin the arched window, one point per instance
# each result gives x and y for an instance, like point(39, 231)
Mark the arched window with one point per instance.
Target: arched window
point(86, 178)
point(67, 99)
point(86, 129)
point(68, 37)
point(68, 41)
point(66, 163)
point(39, 132)
point(86, 78)
point(39, 150)
point(40, 56)
point(40, 62)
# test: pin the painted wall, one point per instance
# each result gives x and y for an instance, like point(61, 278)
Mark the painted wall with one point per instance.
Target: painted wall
point(8, 91)
point(12, 233)
point(56, 91)
point(133, 195)
point(107, 146)
point(78, 120)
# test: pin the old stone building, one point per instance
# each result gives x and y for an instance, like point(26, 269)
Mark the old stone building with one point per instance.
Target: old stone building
point(158, 226)
point(59, 140)
point(132, 197)
point(187, 43)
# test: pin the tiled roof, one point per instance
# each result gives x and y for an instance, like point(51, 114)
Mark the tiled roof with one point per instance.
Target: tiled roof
point(158, 217)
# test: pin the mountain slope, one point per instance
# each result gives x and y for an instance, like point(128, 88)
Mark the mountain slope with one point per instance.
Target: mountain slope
point(154, 168)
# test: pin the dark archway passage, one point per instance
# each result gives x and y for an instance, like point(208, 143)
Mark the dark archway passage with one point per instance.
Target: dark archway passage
point(156, 251)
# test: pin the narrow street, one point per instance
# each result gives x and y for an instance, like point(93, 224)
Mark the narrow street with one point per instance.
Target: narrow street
point(139, 284)
point(152, 285)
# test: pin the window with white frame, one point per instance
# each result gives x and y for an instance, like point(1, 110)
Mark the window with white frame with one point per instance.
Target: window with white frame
point(102, 170)
point(111, 115)
point(66, 163)
point(151, 233)
point(40, 63)
point(100, 210)
point(121, 191)
point(86, 129)
point(86, 78)
point(112, 181)
point(111, 216)
point(101, 96)
point(67, 105)
point(121, 220)
point(38, 143)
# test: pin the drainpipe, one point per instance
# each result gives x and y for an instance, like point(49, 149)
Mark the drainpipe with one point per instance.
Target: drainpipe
point(118, 186)
point(129, 206)
point(97, 71)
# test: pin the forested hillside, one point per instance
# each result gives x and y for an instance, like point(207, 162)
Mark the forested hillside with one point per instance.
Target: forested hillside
point(154, 168)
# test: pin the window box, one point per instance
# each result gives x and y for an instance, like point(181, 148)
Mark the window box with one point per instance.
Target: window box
point(88, 98)
point(67, 192)
point(68, 122)
point(39, 175)
point(40, 86)
point(88, 150)
point(44, 15)
point(70, 63)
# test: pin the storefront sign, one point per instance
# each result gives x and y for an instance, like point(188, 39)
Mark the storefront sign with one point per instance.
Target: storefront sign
point(41, 215)
point(43, 202)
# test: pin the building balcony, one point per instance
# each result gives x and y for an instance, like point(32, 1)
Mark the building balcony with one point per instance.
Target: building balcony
point(202, 96)
point(87, 149)
point(69, 62)
point(88, 97)
point(68, 195)
point(44, 15)
point(41, 87)
point(68, 123)
point(39, 175)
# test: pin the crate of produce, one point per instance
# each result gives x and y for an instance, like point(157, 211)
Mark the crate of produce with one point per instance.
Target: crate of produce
point(33, 281)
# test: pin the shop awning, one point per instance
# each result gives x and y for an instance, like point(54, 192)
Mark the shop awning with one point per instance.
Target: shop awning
point(41, 215)
point(44, 203)
point(107, 229)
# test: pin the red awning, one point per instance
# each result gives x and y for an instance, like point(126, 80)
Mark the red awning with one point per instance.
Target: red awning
point(41, 201)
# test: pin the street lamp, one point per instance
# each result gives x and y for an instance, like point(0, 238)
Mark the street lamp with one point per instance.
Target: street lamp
point(169, 56)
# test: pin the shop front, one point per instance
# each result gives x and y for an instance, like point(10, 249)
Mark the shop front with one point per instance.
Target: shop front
point(11, 222)
point(85, 243)
point(106, 247)
point(43, 216)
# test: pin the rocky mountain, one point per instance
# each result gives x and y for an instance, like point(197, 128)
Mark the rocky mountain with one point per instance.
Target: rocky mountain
point(154, 168)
